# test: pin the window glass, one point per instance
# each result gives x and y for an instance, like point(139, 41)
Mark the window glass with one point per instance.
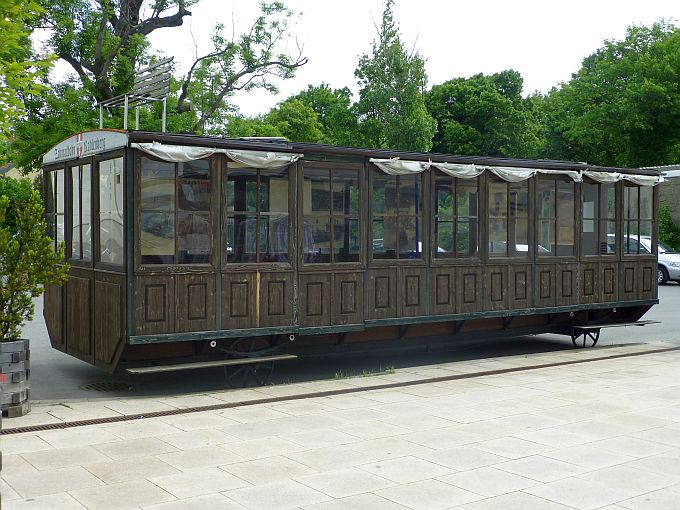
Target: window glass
point(637, 223)
point(111, 248)
point(50, 181)
point(599, 219)
point(555, 222)
point(590, 214)
point(257, 214)
point(86, 211)
point(331, 215)
point(59, 211)
point(397, 216)
point(455, 217)
point(519, 218)
point(194, 231)
point(508, 218)
point(76, 238)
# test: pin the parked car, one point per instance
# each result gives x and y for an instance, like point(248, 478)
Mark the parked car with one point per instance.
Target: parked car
point(669, 261)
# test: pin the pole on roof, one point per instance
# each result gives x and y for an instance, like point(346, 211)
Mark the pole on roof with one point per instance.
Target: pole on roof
point(101, 117)
point(125, 117)
point(165, 109)
point(137, 118)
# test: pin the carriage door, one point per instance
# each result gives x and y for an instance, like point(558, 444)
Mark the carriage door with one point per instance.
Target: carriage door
point(257, 250)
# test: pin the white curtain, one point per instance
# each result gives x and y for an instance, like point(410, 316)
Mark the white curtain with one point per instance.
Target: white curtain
point(611, 177)
point(184, 153)
point(396, 166)
point(459, 170)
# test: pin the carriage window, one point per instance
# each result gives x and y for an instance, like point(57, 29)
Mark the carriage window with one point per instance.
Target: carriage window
point(397, 217)
point(455, 217)
point(637, 223)
point(599, 219)
point(508, 218)
point(175, 212)
point(257, 214)
point(55, 206)
point(81, 226)
point(331, 215)
point(111, 211)
point(555, 206)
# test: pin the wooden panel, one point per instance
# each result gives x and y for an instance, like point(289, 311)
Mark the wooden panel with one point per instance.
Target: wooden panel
point(54, 315)
point(195, 302)
point(109, 320)
point(468, 289)
point(589, 289)
point(276, 298)
point(520, 287)
point(608, 282)
point(238, 300)
point(348, 298)
point(412, 292)
point(382, 293)
point(78, 318)
point(443, 292)
point(497, 287)
point(546, 285)
point(639, 280)
point(155, 298)
point(315, 299)
point(629, 282)
point(566, 290)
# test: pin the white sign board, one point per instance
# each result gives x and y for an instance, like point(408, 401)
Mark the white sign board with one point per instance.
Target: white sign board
point(86, 144)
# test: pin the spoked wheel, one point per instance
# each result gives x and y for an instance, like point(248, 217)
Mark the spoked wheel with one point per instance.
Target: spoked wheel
point(255, 373)
point(590, 337)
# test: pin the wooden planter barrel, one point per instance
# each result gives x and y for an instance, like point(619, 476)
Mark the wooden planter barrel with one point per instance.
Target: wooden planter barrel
point(14, 378)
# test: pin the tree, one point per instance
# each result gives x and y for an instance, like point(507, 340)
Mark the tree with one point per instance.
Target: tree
point(623, 106)
point(21, 72)
point(483, 115)
point(391, 108)
point(241, 63)
point(296, 121)
point(334, 110)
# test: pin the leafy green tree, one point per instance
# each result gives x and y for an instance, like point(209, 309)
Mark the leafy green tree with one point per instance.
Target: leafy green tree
point(391, 108)
point(483, 115)
point(334, 110)
point(27, 262)
point(296, 121)
point(21, 72)
point(623, 106)
point(20, 191)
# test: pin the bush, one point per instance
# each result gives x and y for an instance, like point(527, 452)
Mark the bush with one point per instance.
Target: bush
point(27, 263)
point(669, 232)
point(18, 192)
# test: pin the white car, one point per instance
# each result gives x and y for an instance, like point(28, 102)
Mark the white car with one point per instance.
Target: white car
point(668, 268)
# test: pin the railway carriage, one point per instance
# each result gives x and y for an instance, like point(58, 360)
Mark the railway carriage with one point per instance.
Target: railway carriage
point(215, 250)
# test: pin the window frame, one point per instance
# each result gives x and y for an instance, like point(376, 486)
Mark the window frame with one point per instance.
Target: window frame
point(96, 238)
point(340, 166)
point(638, 220)
point(220, 205)
point(454, 256)
point(424, 194)
point(79, 261)
point(601, 219)
point(510, 222)
point(150, 267)
point(51, 214)
point(546, 257)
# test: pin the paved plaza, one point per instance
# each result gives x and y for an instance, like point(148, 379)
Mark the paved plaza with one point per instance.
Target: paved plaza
point(598, 430)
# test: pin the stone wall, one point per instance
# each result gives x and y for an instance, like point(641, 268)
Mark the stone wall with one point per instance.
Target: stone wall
point(669, 194)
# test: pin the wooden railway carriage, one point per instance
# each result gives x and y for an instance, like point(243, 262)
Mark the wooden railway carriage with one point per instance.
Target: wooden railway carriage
point(185, 247)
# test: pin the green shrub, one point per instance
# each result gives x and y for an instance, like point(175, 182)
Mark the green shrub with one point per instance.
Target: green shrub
point(18, 191)
point(669, 232)
point(27, 263)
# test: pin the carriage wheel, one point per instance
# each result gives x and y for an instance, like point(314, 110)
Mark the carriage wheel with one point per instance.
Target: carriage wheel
point(250, 374)
point(590, 337)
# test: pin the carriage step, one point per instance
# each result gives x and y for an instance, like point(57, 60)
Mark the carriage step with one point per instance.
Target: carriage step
point(613, 325)
point(208, 364)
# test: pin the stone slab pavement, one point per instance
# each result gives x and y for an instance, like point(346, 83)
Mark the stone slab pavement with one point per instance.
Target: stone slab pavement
point(598, 430)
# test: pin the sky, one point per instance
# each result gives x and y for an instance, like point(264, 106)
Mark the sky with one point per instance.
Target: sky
point(544, 40)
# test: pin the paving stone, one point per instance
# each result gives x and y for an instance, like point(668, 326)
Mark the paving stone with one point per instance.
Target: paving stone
point(488, 481)
point(580, 494)
point(122, 496)
point(428, 495)
point(125, 470)
point(270, 469)
point(540, 468)
point(61, 501)
point(345, 482)
point(65, 457)
point(359, 502)
point(515, 501)
point(406, 469)
point(126, 449)
point(51, 482)
point(208, 456)
point(198, 482)
point(281, 495)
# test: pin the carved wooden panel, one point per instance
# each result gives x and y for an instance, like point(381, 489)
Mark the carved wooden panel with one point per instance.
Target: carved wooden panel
point(54, 315)
point(412, 292)
point(639, 280)
point(109, 320)
point(347, 303)
point(276, 297)
point(238, 300)
point(468, 289)
point(195, 302)
point(497, 287)
point(609, 282)
point(155, 300)
point(443, 291)
point(589, 288)
point(315, 299)
point(520, 294)
point(629, 283)
point(78, 318)
point(566, 289)
point(546, 285)
point(382, 293)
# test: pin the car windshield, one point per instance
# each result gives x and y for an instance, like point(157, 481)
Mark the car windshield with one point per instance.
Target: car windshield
point(665, 249)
